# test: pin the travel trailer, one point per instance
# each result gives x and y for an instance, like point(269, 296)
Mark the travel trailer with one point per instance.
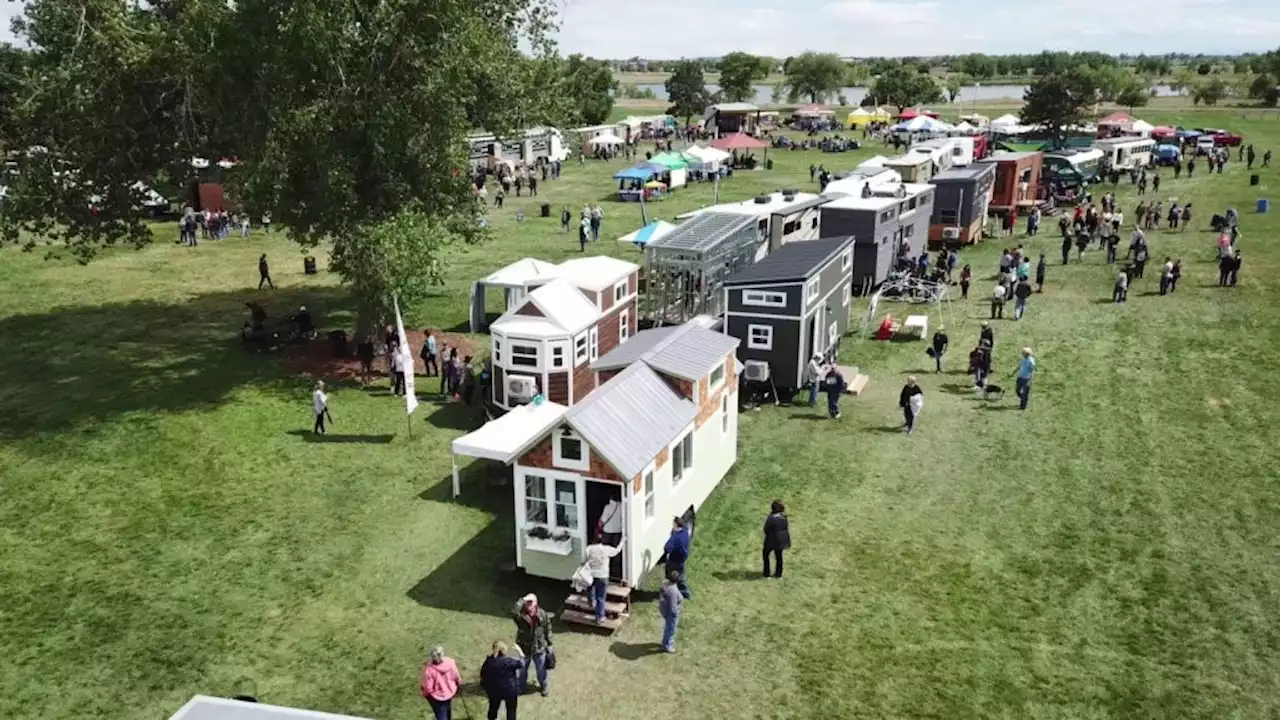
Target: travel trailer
point(1124, 153)
point(539, 144)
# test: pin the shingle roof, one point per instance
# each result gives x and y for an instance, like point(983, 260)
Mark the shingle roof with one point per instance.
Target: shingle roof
point(631, 418)
point(793, 261)
point(686, 351)
point(703, 231)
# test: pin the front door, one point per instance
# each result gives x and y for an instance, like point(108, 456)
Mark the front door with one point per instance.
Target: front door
point(606, 510)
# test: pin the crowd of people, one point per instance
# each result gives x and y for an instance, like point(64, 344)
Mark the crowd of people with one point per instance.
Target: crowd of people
point(198, 225)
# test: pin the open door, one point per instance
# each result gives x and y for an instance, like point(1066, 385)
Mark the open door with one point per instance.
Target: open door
point(606, 510)
point(477, 307)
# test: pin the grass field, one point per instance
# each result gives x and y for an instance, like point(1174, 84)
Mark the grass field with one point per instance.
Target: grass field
point(166, 529)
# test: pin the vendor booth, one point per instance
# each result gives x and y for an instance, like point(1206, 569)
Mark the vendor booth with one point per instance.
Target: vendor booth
point(675, 166)
point(710, 160)
point(631, 182)
point(606, 142)
point(740, 145)
point(863, 117)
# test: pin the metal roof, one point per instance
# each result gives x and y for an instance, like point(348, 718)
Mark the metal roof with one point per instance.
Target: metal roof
point(1009, 156)
point(703, 231)
point(631, 418)
point(793, 261)
point(735, 107)
point(688, 351)
point(203, 707)
point(963, 174)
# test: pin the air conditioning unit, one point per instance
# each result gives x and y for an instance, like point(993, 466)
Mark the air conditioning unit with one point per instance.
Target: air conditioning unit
point(521, 389)
point(951, 233)
point(755, 370)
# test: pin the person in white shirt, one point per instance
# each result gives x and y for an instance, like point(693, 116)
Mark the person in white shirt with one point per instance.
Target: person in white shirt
point(320, 403)
point(813, 376)
point(997, 301)
point(1166, 276)
point(397, 370)
point(611, 522)
point(598, 555)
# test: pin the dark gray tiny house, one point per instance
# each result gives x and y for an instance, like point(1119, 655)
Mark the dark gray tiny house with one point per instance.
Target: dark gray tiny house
point(790, 306)
point(960, 205)
point(892, 222)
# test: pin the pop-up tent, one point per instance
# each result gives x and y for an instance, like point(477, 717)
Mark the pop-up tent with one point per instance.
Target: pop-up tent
point(605, 140)
point(647, 234)
point(515, 280)
point(1141, 127)
point(709, 158)
point(1006, 121)
point(922, 123)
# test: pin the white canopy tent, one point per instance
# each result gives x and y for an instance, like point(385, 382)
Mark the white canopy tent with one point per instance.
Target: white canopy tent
point(514, 280)
point(711, 157)
point(506, 438)
point(203, 707)
point(607, 139)
point(922, 123)
point(1142, 127)
point(963, 127)
point(1006, 121)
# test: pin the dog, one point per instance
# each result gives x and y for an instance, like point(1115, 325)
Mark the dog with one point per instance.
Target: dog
point(992, 392)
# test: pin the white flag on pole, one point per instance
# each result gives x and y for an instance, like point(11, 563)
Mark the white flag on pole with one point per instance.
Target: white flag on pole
point(406, 353)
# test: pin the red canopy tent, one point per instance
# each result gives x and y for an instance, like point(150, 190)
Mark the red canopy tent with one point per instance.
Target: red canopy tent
point(738, 141)
point(1164, 131)
point(908, 114)
point(1117, 118)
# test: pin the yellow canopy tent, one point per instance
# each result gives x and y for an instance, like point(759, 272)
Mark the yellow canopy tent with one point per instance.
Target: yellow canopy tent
point(862, 116)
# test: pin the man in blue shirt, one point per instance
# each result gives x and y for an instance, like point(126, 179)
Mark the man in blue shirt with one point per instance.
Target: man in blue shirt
point(1026, 369)
point(677, 551)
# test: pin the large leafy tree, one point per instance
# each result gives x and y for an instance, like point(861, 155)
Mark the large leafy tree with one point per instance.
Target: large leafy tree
point(903, 85)
point(738, 71)
point(687, 90)
point(1059, 100)
point(815, 76)
point(350, 120)
point(588, 87)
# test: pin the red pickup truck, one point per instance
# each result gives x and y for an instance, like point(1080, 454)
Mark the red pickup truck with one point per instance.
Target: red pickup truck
point(1222, 137)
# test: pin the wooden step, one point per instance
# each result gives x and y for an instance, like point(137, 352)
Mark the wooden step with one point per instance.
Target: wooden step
point(858, 384)
point(580, 618)
point(618, 591)
point(581, 602)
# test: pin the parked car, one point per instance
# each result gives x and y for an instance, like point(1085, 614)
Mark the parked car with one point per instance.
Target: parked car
point(1222, 137)
point(1204, 144)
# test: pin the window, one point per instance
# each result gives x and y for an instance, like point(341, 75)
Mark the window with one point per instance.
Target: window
point(558, 359)
point(846, 260)
point(845, 294)
point(567, 504)
point(814, 223)
point(716, 378)
point(648, 495)
point(624, 326)
point(811, 290)
point(948, 217)
point(724, 413)
point(886, 216)
point(911, 204)
point(535, 499)
point(759, 337)
point(580, 349)
point(763, 227)
point(619, 291)
point(791, 227)
point(594, 336)
point(524, 355)
point(908, 231)
point(681, 458)
point(764, 299)
point(497, 351)
point(570, 452)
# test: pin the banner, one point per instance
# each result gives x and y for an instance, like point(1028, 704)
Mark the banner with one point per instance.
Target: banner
point(406, 353)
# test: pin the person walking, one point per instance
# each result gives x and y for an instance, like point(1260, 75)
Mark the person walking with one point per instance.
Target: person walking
point(813, 376)
point(677, 552)
point(440, 683)
point(670, 605)
point(428, 353)
point(264, 273)
point(499, 679)
point(966, 278)
point(980, 365)
point(997, 301)
point(533, 638)
point(777, 537)
point(1066, 247)
point(584, 232)
point(1140, 256)
point(911, 400)
point(1020, 296)
point(1120, 291)
point(1175, 275)
point(1166, 276)
point(835, 388)
point(939, 348)
point(598, 555)
point(1041, 269)
point(397, 370)
point(566, 218)
point(597, 217)
point(1026, 369)
point(320, 403)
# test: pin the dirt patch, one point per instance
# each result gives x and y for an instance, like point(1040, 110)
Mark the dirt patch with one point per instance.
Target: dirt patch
point(316, 358)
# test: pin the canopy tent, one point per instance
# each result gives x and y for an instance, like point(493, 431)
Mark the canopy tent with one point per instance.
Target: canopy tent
point(647, 234)
point(1122, 119)
point(739, 141)
point(709, 158)
point(605, 140)
point(908, 114)
point(922, 123)
point(862, 117)
point(639, 172)
point(514, 280)
point(1141, 126)
point(1006, 121)
point(976, 120)
point(813, 110)
point(506, 438)
point(655, 185)
point(672, 160)
point(1163, 131)
point(964, 127)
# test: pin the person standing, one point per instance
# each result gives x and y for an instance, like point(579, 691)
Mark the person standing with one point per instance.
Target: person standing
point(533, 637)
point(911, 400)
point(499, 679)
point(939, 348)
point(440, 683)
point(966, 277)
point(584, 232)
point(428, 353)
point(997, 301)
point(677, 552)
point(468, 380)
point(266, 223)
point(1175, 275)
point(320, 403)
point(670, 605)
point(597, 217)
point(777, 537)
point(813, 376)
point(1020, 296)
point(264, 273)
point(1140, 256)
point(1041, 269)
point(835, 388)
point(598, 555)
point(566, 218)
point(1066, 247)
point(980, 365)
point(1026, 369)
point(396, 358)
point(1166, 276)
point(1121, 289)
point(1233, 272)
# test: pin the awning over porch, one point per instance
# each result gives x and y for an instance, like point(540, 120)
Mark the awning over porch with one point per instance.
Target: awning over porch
point(203, 707)
point(504, 438)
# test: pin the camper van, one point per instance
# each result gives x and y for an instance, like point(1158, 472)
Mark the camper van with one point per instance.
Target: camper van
point(1124, 153)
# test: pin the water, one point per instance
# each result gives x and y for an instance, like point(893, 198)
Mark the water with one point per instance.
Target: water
point(854, 95)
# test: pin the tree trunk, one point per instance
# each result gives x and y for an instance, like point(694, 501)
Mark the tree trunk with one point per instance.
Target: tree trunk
point(369, 321)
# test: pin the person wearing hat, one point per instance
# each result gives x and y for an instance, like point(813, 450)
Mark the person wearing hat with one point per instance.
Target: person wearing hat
point(813, 376)
point(533, 638)
point(1026, 369)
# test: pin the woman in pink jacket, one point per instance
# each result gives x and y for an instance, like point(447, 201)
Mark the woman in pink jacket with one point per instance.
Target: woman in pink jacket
point(440, 682)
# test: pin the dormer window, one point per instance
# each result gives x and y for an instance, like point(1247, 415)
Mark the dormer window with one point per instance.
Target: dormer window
point(570, 451)
point(619, 291)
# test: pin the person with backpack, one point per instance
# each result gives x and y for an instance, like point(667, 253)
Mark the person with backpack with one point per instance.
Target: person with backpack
point(440, 683)
point(499, 679)
point(777, 537)
point(1020, 296)
point(533, 638)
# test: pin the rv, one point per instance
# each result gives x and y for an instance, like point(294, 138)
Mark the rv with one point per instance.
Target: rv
point(533, 146)
point(1073, 168)
point(1124, 153)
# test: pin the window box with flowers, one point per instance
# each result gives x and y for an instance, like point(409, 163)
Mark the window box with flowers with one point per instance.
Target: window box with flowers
point(543, 539)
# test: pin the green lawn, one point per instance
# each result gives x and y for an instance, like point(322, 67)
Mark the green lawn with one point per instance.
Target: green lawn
point(166, 530)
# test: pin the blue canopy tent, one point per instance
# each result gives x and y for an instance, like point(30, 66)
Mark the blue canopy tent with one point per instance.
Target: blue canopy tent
point(639, 172)
point(631, 181)
point(1168, 154)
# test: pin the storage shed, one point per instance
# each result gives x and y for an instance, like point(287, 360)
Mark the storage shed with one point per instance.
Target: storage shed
point(791, 306)
point(687, 268)
point(890, 224)
point(960, 205)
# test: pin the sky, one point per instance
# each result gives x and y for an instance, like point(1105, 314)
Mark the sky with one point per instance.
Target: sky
point(668, 29)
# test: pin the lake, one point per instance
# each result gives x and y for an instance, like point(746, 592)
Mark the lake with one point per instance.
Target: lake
point(854, 95)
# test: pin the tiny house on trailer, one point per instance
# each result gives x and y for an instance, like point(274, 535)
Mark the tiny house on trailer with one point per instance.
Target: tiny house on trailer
point(915, 167)
point(890, 224)
point(782, 217)
point(1017, 182)
point(545, 343)
point(791, 306)
point(853, 182)
point(949, 152)
point(687, 267)
point(961, 199)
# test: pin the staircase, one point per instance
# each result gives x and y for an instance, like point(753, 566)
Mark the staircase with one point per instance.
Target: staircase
point(617, 608)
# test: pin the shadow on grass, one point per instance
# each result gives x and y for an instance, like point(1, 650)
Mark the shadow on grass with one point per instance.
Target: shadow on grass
point(308, 436)
point(810, 415)
point(739, 575)
point(86, 364)
point(635, 651)
point(958, 389)
point(997, 406)
point(457, 416)
point(887, 429)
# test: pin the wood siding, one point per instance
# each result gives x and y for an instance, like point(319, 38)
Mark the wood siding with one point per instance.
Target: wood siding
point(528, 308)
point(558, 387)
point(584, 381)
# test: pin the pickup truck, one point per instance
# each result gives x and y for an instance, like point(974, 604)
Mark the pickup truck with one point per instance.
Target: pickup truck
point(1222, 137)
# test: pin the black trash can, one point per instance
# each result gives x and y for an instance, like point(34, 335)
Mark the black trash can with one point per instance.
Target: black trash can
point(1254, 179)
point(768, 164)
point(546, 210)
point(309, 265)
point(338, 343)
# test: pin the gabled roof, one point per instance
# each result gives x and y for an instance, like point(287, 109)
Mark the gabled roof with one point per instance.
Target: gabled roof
point(704, 231)
point(687, 351)
point(565, 310)
point(963, 174)
point(521, 272)
point(597, 272)
point(792, 262)
point(631, 418)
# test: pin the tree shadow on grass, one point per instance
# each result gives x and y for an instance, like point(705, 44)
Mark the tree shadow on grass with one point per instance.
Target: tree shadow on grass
point(308, 436)
point(89, 364)
point(958, 389)
point(457, 416)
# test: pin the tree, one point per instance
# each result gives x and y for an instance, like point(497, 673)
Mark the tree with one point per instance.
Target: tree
point(955, 84)
point(902, 86)
point(738, 72)
point(1182, 80)
point(815, 76)
point(1242, 65)
point(1059, 100)
point(1135, 94)
point(687, 90)
point(1263, 87)
point(1209, 92)
point(350, 120)
point(588, 86)
point(1204, 68)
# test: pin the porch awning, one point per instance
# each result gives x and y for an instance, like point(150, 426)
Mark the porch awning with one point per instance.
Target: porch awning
point(203, 707)
point(504, 438)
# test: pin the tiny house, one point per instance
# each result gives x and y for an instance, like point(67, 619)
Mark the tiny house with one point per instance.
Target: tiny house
point(914, 167)
point(791, 306)
point(890, 224)
point(862, 180)
point(543, 345)
point(949, 152)
point(960, 205)
point(1123, 153)
point(1017, 180)
point(782, 217)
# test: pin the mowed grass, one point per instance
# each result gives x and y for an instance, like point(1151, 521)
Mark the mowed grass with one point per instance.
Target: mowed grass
point(1110, 553)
